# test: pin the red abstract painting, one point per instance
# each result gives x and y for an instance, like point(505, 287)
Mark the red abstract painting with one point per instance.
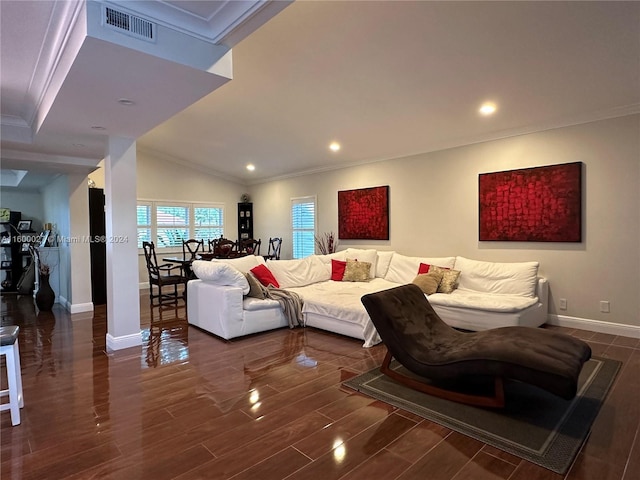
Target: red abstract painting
point(363, 214)
point(540, 204)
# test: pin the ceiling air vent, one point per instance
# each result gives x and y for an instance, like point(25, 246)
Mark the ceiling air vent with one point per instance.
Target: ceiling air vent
point(130, 24)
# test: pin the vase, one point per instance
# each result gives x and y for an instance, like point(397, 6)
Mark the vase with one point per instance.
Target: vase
point(45, 296)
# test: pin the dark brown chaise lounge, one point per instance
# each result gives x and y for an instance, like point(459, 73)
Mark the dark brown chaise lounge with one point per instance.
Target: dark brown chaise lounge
point(420, 341)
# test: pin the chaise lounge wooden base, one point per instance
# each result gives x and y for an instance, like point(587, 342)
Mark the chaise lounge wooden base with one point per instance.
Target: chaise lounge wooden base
point(420, 341)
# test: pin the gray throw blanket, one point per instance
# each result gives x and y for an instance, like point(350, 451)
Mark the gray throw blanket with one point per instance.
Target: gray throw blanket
point(290, 302)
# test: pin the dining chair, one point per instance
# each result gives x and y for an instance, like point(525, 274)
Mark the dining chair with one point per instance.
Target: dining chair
point(273, 253)
point(249, 246)
point(191, 247)
point(226, 248)
point(162, 276)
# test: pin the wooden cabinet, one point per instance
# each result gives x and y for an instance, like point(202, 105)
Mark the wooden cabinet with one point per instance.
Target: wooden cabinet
point(245, 220)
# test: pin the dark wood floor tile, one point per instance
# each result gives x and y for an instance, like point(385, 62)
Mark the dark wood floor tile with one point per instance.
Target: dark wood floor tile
point(346, 456)
point(485, 467)
point(231, 439)
point(583, 334)
point(251, 453)
point(632, 468)
point(189, 405)
point(530, 471)
point(502, 455)
point(341, 430)
point(445, 460)
point(603, 338)
point(345, 406)
point(619, 417)
point(384, 465)
point(419, 440)
point(281, 400)
point(77, 463)
point(627, 342)
point(277, 467)
point(589, 468)
point(166, 466)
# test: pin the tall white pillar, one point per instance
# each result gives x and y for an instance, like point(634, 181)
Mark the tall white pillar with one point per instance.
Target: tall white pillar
point(123, 296)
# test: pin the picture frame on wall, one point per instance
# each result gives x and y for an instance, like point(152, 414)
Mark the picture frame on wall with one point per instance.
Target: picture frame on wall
point(537, 204)
point(363, 213)
point(24, 225)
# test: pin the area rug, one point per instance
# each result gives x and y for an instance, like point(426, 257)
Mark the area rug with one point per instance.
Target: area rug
point(534, 425)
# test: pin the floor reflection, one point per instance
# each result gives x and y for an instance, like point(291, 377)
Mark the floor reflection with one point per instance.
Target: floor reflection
point(166, 340)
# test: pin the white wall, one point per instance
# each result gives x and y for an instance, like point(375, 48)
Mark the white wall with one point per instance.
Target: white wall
point(162, 179)
point(434, 210)
point(56, 211)
point(28, 203)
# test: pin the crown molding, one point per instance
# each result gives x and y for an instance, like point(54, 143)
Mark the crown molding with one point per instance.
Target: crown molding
point(589, 117)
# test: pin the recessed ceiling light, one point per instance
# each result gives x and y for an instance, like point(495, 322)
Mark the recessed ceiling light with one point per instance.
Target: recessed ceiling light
point(487, 108)
point(97, 127)
point(334, 146)
point(126, 102)
point(251, 167)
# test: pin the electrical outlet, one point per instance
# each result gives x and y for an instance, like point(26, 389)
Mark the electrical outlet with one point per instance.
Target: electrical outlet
point(604, 306)
point(563, 304)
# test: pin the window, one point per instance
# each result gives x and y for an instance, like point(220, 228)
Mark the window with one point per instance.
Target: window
point(172, 225)
point(168, 224)
point(303, 225)
point(208, 222)
point(144, 223)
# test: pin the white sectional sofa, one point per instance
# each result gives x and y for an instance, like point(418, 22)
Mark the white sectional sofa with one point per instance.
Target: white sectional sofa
point(488, 294)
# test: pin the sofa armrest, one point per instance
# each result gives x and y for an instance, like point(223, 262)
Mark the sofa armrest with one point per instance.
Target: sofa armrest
point(542, 292)
point(214, 307)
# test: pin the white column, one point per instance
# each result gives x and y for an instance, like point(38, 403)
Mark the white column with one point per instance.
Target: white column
point(123, 296)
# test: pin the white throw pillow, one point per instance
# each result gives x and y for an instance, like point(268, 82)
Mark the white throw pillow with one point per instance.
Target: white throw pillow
point(298, 273)
point(369, 255)
point(382, 267)
point(220, 273)
point(244, 264)
point(498, 278)
point(403, 269)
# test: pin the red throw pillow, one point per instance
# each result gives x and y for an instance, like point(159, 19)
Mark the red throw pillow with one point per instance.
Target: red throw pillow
point(423, 268)
point(264, 275)
point(337, 269)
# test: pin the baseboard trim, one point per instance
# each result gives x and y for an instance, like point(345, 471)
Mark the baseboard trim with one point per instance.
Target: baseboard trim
point(599, 326)
point(143, 285)
point(126, 341)
point(80, 307)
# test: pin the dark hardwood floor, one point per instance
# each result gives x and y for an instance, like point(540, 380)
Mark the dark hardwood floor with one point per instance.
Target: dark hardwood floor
point(187, 405)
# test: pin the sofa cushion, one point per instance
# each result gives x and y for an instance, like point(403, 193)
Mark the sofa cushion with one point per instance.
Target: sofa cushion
point(369, 255)
point(382, 265)
point(255, 288)
point(498, 278)
point(428, 282)
point(357, 271)
point(244, 264)
point(220, 274)
point(449, 280)
point(265, 276)
point(403, 269)
point(298, 273)
point(337, 270)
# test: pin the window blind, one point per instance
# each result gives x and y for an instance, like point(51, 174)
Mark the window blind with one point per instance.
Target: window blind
point(303, 226)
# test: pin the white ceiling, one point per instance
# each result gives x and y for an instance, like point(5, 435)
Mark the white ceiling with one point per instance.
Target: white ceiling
point(386, 79)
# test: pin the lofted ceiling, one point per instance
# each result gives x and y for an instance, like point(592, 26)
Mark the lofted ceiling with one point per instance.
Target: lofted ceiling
point(385, 79)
